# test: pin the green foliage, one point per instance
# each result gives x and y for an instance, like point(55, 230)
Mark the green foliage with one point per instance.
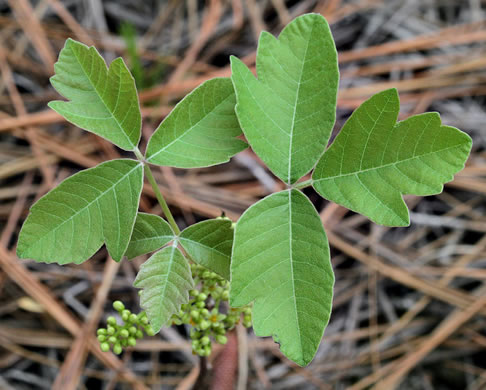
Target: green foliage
point(165, 279)
point(103, 101)
point(209, 244)
point(287, 114)
point(70, 223)
point(200, 131)
point(281, 261)
point(277, 257)
point(374, 160)
point(150, 233)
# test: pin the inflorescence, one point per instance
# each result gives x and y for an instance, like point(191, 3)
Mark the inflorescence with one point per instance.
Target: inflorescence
point(119, 336)
point(207, 312)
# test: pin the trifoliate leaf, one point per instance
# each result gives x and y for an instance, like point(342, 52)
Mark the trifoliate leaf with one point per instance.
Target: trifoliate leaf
point(200, 131)
point(103, 101)
point(150, 233)
point(288, 114)
point(281, 261)
point(71, 222)
point(374, 160)
point(209, 244)
point(166, 280)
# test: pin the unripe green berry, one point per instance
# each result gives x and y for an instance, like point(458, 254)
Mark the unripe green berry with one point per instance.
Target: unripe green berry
point(105, 347)
point(194, 314)
point(225, 295)
point(124, 342)
point(149, 331)
point(110, 330)
point(132, 330)
point(144, 320)
point(131, 342)
point(112, 339)
point(124, 333)
point(133, 318)
point(117, 349)
point(111, 320)
point(118, 306)
point(221, 339)
point(200, 304)
point(101, 338)
point(101, 331)
point(125, 315)
point(205, 340)
point(139, 334)
point(202, 297)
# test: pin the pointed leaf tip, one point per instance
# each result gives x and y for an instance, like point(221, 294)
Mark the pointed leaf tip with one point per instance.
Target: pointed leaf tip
point(281, 261)
point(294, 98)
point(375, 160)
point(102, 100)
point(200, 131)
point(71, 222)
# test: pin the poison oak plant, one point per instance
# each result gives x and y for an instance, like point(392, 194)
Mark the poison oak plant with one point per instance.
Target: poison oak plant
point(276, 257)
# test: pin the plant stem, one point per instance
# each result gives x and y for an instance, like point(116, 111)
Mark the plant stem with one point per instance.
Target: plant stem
point(303, 184)
point(160, 198)
point(158, 194)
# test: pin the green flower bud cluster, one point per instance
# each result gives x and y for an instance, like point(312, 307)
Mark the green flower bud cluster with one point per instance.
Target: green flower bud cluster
point(210, 318)
point(120, 336)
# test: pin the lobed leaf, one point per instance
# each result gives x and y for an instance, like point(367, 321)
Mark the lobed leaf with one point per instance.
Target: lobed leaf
point(287, 115)
point(71, 222)
point(281, 261)
point(165, 280)
point(374, 160)
point(150, 233)
point(103, 101)
point(200, 131)
point(209, 244)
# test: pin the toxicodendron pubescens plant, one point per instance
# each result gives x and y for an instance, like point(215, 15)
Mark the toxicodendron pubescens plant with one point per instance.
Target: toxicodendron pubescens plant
point(276, 257)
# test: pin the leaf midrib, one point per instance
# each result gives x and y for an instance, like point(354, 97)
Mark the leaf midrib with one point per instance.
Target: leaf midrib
point(89, 204)
point(292, 126)
point(385, 165)
point(183, 134)
point(99, 95)
point(203, 245)
point(292, 272)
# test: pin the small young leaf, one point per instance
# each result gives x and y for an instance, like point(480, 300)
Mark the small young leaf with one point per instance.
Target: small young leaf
point(374, 160)
point(166, 280)
point(150, 233)
point(103, 101)
point(71, 222)
point(209, 244)
point(200, 131)
point(281, 261)
point(288, 114)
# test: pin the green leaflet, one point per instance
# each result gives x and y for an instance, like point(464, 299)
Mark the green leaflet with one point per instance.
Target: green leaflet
point(375, 160)
point(103, 101)
point(281, 261)
point(150, 233)
point(288, 114)
point(209, 244)
point(200, 131)
point(166, 280)
point(71, 222)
